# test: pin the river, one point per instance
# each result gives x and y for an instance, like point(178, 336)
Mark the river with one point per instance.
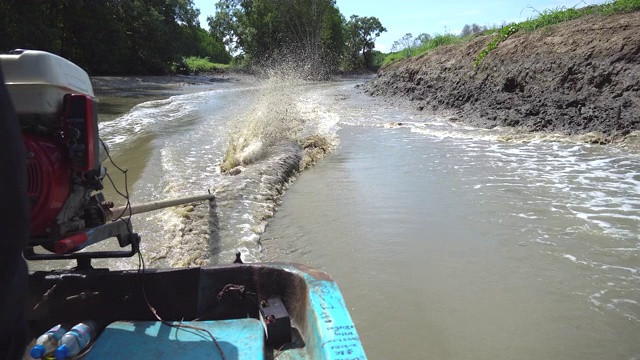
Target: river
point(448, 242)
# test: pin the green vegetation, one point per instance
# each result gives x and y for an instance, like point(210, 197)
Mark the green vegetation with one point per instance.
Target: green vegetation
point(558, 15)
point(264, 31)
point(429, 44)
point(116, 37)
point(620, 6)
point(361, 33)
point(561, 14)
point(161, 36)
point(310, 35)
point(499, 37)
point(405, 48)
point(197, 65)
point(378, 59)
point(111, 36)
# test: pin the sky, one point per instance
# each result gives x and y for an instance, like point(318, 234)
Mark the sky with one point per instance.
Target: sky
point(400, 17)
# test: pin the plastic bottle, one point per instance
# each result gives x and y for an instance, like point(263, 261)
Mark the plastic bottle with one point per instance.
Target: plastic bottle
point(75, 340)
point(47, 342)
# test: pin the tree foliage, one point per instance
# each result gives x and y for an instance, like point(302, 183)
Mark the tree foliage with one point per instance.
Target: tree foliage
point(408, 44)
point(361, 33)
point(405, 42)
point(472, 29)
point(110, 36)
point(260, 30)
point(312, 30)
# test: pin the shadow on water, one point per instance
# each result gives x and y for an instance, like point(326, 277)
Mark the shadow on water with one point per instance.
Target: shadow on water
point(113, 106)
point(214, 232)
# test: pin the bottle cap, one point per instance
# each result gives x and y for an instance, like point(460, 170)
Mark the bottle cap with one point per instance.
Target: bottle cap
point(38, 351)
point(61, 352)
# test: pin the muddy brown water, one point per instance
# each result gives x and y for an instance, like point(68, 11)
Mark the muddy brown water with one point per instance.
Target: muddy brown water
point(448, 242)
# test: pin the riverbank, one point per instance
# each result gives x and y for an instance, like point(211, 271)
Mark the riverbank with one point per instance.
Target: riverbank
point(119, 94)
point(576, 77)
point(170, 84)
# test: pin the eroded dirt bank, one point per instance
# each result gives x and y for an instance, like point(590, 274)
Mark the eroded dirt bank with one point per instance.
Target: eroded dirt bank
point(577, 77)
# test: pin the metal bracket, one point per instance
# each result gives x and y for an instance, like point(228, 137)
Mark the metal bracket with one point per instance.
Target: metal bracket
point(118, 229)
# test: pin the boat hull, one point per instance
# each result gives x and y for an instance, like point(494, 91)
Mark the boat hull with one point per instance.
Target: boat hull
point(320, 324)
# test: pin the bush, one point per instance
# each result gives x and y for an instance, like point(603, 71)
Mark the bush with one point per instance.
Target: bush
point(195, 65)
point(433, 43)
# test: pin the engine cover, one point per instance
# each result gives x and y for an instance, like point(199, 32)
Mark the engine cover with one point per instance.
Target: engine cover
point(49, 182)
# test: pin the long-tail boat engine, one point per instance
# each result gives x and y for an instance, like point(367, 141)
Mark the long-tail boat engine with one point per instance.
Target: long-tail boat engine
point(57, 111)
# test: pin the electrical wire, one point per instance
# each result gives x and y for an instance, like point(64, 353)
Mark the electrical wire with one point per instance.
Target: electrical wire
point(141, 273)
point(141, 264)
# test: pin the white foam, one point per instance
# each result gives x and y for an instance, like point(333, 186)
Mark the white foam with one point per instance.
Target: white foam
point(624, 301)
point(548, 243)
point(527, 216)
point(614, 267)
point(142, 117)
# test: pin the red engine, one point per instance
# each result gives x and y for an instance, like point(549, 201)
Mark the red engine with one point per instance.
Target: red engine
point(63, 167)
point(55, 104)
point(49, 178)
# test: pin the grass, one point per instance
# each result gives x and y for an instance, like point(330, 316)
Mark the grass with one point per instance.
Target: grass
point(558, 15)
point(550, 17)
point(196, 65)
point(543, 19)
point(501, 36)
point(620, 6)
point(435, 42)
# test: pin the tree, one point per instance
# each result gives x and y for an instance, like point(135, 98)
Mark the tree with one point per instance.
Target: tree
point(306, 31)
point(423, 39)
point(333, 39)
point(361, 33)
point(472, 29)
point(408, 44)
point(225, 24)
point(109, 36)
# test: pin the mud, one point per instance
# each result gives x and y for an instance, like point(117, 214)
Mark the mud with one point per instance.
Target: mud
point(573, 78)
point(161, 85)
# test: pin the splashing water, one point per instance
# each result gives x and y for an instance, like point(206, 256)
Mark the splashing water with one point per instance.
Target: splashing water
point(262, 147)
point(273, 119)
point(544, 225)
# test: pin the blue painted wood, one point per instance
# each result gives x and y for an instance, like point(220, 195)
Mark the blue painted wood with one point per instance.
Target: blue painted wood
point(239, 339)
point(324, 328)
point(333, 334)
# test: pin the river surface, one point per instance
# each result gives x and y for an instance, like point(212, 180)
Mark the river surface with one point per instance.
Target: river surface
point(448, 242)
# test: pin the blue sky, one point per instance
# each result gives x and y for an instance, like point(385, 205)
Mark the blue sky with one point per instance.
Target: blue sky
point(426, 16)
